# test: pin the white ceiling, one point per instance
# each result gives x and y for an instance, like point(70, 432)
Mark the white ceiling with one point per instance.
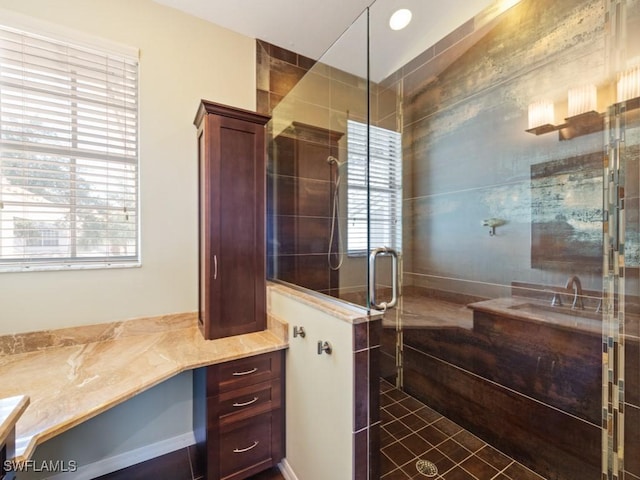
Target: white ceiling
point(311, 27)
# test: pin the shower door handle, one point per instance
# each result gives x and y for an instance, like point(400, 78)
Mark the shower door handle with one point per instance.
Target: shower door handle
point(372, 278)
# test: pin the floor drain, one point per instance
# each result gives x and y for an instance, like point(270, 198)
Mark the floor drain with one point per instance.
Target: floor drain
point(427, 468)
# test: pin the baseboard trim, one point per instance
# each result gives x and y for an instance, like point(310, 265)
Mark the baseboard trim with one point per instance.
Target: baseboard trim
point(286, 470)
point(127, 459)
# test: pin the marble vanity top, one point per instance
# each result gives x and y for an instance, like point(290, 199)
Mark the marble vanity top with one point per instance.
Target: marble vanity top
point(522, 308)
point(10, 410)
point(73, 374)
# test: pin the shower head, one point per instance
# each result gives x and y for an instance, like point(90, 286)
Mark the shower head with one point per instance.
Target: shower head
point(331, 160)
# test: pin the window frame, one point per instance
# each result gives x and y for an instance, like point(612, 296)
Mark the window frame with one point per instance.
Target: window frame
point(382, 178)
point(91, 161)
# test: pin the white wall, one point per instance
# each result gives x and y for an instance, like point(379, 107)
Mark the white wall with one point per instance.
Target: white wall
point(182, 59)
point(319, 392)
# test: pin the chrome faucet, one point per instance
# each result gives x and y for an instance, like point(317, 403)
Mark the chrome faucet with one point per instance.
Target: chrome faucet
point(574, 283)
point(556, 301)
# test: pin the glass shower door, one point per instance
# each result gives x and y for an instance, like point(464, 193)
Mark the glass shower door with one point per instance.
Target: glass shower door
point(335, 183)
point(516, 317)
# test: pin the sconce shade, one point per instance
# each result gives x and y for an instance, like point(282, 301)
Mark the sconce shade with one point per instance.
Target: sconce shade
point(541, 113)
point(629, 84)
point(582, 99)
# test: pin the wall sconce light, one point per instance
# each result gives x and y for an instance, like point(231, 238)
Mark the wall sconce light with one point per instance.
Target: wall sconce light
point(541, 117)
point(582, 99)
point(583, 117)
point(582, 120)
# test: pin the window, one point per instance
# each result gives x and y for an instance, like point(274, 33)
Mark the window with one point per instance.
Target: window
point(68, 154)
point(385, 188)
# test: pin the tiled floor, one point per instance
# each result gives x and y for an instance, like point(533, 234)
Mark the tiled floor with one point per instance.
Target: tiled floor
point(412, 435)
point(176, 465)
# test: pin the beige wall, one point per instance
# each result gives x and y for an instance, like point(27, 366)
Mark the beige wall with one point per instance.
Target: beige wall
point(182, 59)
point(319, 391)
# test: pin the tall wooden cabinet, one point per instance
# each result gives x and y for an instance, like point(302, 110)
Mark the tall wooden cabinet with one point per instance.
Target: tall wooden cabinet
point(232, 177)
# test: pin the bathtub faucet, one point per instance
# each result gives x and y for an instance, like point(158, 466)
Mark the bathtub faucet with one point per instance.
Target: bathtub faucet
point(574, 283)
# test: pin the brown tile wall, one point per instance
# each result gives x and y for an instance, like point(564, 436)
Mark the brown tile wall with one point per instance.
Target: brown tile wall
point(531, 391)
point(300, 189)
point(308, 126)
point(366, 428)
point(277, 71)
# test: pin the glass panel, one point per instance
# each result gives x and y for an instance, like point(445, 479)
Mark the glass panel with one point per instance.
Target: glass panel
point(518, 230)
point(500, 326)
point(308, 174)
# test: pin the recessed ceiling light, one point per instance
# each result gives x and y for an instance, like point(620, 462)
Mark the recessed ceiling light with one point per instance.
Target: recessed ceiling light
point(400, 19)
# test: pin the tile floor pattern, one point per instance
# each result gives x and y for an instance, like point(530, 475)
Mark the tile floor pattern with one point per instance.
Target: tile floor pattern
point(411, 432)
point(176, 465)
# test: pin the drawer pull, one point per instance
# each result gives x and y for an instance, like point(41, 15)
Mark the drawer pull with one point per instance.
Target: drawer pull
point(244, 404)
point(242, 450)
point(248, 372)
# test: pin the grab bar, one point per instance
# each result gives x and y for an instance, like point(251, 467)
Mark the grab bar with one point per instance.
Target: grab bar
point(372, 278)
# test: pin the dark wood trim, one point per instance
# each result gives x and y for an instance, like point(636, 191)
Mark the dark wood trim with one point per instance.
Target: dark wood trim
point(212, 108)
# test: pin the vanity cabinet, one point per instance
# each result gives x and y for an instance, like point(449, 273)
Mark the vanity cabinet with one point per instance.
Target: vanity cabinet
point(232, 178)
point(239, 416)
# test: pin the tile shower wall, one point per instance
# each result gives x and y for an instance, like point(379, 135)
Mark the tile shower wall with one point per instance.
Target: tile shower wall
point(467, 158)
point(301, 190)
point(533, 391)
point(308, 125)
point(278, 70)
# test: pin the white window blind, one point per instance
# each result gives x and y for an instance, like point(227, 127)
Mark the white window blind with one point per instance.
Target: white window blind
point(385, 188)
point(68, 155)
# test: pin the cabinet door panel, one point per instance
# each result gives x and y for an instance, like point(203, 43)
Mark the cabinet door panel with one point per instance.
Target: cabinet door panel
point(239, 231)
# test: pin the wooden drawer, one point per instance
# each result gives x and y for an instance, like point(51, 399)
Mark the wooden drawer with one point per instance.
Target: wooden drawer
point(245, 402)
point(239, 416)
point(240, 373)
point(246, 447)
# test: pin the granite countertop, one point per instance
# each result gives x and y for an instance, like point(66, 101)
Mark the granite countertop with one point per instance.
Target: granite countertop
point(531, 310)
point(337, 308)
point(73, 374)
point(10, 410)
